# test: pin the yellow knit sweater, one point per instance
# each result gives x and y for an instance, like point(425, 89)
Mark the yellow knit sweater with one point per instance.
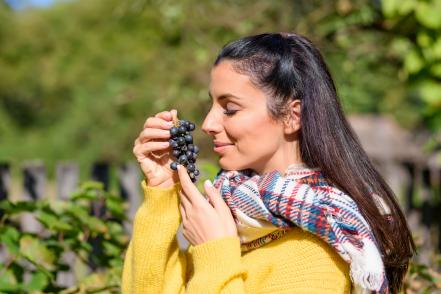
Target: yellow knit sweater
point(299, 262)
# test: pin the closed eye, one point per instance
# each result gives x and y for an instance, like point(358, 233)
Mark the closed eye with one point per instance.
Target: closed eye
point(230, 112)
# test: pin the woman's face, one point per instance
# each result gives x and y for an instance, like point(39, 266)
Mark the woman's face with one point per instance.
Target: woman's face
point(239, 117)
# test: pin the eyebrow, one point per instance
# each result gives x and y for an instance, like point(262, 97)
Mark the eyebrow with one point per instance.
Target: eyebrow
point(223, 96)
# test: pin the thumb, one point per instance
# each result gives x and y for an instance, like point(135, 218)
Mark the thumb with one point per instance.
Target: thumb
point(214, 195)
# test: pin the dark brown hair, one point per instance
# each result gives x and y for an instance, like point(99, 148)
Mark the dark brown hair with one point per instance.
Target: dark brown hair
point(287, 66)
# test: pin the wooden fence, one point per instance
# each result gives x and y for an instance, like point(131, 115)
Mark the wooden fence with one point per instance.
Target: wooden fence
point(67, 177)
point(416, 184)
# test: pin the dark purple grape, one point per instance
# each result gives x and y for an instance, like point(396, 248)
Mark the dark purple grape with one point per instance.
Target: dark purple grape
point(174, 166)
point(189, 154)
point(188, 138)
point(173, 144)
point(181, 141)
point(184, 148)
point(182, 159)
point(176, 153)
point(191, 167)
point(196, 172)
point(174, 132)
point(191, 127)
point(182, 130)
point(190, 147)
point(194, 156)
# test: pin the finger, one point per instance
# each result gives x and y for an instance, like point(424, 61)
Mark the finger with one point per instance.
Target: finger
point(183, 213)
point(150, 147)
point(166, 115)
point(214, 196)
point(185, 202)
point(187, 185)
point(158, 123)
point(149, 134)
point(174, 113)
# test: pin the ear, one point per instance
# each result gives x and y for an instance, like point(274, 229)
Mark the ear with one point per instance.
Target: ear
point(292, 119)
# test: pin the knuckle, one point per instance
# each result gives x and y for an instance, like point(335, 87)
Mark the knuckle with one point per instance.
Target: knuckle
point(150, 120)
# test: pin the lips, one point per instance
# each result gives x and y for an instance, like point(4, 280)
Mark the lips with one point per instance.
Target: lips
point(220, 144)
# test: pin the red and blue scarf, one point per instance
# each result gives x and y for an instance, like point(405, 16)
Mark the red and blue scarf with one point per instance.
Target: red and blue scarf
point(265, 207)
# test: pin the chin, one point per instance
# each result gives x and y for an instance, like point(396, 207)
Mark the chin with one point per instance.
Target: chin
point(229, 165)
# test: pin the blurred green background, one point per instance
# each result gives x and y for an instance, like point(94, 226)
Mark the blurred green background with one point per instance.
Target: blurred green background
point(79, 78)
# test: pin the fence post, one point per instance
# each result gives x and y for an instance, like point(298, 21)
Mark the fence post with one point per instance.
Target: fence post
point(129, 187)
point(100, 173)
point(34, 184)
point(67, 176)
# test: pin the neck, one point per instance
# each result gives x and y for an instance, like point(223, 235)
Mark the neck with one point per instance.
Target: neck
point(286, 156)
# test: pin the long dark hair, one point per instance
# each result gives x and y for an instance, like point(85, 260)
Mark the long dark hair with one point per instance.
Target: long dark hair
point(287, 66)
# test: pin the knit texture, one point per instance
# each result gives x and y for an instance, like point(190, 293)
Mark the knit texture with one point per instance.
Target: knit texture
point(303, 197)
point(299, 262)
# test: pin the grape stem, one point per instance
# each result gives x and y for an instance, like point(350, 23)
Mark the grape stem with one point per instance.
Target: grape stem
point(175, 119)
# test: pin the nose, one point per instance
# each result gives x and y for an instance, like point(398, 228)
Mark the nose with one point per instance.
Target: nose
point(212, 123)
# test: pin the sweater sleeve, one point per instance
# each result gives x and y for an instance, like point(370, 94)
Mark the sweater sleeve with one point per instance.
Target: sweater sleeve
point(154, 263)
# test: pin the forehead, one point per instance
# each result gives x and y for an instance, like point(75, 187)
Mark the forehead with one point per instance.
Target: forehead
point(224, 79)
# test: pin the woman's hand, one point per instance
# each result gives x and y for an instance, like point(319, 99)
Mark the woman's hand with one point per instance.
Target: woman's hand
point(203, 220)
point(154, 138)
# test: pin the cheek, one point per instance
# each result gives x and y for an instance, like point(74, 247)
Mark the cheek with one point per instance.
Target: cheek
point(255, 134)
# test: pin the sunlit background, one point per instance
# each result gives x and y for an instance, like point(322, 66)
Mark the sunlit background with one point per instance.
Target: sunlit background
point(79, 78)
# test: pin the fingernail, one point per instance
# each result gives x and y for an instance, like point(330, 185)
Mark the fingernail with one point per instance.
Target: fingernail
point(208, 184)
point(178, 166)
point(170, 123)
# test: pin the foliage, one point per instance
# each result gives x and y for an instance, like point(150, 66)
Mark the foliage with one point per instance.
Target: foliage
point(80, 76)
point(416, 26)
point(33, 261)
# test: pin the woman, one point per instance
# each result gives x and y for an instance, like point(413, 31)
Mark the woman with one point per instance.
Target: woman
point(297, 206)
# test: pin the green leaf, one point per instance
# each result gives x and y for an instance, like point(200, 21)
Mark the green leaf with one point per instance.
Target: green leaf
point(9, 236)
point(111, 249)
point(431, 93)
point(393, 8)
point(413, 62)
point(8, 282)
point(38, 282)
point(79, 212)
point(436, 69)
point(36, 251)
point(53, 222)
point(96, 225)
point(17, 207)
point(428, 13)
point(390, 7)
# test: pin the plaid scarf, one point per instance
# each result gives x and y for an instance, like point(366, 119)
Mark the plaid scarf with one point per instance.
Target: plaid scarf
point(265, 207)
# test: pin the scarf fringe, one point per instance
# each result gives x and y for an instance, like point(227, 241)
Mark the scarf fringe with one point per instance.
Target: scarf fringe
point(366, 280)
point(366, 267)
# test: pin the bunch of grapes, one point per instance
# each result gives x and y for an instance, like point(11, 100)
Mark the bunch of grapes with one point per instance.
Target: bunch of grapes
point(184, 151)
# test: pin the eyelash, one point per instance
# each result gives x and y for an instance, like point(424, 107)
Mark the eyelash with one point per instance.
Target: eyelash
point(230, 112)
